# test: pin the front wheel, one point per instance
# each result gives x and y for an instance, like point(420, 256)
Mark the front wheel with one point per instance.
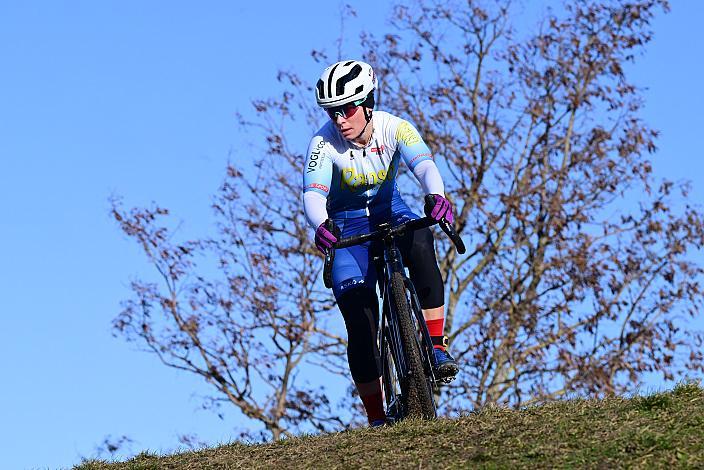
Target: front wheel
point(416, 389)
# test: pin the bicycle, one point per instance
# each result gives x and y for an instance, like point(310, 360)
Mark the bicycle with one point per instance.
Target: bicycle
point(404, 342)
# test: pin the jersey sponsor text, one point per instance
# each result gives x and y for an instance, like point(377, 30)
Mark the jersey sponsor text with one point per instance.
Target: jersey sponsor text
point(321, 187)
point(315, 156)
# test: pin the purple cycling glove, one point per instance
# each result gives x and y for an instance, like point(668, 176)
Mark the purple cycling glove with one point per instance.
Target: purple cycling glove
point(325, 235)
point(437, 207)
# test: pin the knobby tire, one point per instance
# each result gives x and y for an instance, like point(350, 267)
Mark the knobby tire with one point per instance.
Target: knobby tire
point(419, 399)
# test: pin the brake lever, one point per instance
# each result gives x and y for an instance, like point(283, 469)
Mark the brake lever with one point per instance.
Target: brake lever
point(453, 235)
point(327, 268)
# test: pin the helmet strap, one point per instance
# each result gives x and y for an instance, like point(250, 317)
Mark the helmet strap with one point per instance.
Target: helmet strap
point(368, 118)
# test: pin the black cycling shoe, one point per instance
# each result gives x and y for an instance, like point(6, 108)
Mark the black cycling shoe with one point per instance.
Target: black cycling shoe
point(446, 368)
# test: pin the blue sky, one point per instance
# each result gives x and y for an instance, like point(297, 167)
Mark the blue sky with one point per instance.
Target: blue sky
point(139, 99)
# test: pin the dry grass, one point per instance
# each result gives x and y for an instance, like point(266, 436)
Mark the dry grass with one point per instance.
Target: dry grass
point(660, 430)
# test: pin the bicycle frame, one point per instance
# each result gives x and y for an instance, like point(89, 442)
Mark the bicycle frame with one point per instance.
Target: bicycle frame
point(390, 329)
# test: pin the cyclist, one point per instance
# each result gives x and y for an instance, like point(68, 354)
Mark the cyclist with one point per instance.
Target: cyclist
point(349, 187)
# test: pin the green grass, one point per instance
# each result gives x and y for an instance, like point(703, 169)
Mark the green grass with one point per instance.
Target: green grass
point(660, 430)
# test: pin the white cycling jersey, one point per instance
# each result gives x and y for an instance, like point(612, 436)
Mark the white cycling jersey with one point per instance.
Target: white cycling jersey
point(341, 179)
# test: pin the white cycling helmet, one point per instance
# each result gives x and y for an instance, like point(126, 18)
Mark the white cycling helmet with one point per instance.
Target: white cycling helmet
point(345, 82)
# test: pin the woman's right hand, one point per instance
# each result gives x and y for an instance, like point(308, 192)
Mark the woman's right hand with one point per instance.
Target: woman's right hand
point(326, 234)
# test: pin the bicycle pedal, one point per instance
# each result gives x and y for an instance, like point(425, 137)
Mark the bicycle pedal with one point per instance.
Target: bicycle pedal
point(446, 380)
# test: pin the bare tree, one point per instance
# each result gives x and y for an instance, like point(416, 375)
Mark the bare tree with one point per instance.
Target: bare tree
point(578, 277)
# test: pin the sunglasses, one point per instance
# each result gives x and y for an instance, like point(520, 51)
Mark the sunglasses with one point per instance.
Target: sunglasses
point(345, 111)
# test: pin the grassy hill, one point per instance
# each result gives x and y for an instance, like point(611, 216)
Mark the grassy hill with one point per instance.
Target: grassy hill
point(660, 430)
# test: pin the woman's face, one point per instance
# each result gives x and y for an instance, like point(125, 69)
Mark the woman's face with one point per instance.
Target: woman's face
point(349, 119)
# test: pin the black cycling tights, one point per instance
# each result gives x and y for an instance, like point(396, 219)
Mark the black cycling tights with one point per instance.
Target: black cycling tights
point(360, 305)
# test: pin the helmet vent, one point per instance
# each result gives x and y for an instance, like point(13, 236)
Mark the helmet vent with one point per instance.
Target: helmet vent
point(332, 74)
point(348, 77)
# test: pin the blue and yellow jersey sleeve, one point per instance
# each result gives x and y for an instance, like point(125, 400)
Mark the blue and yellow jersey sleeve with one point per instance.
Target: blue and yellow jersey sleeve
point(411, 146)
